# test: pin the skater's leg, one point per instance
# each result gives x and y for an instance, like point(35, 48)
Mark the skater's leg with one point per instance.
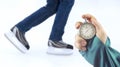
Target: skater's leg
point(61, 19)
point(39, 16)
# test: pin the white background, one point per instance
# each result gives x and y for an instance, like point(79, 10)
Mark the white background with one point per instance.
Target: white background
point(13, 11)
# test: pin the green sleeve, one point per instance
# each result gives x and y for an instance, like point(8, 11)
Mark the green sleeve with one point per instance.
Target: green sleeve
point(101, 55)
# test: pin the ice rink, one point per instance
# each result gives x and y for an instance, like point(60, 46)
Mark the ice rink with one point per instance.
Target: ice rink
point(107, 13)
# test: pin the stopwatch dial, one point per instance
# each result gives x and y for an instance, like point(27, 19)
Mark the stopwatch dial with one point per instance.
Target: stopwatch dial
point(87, 31)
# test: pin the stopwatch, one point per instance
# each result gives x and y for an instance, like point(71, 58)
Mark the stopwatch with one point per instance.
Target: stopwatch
point(87, 30)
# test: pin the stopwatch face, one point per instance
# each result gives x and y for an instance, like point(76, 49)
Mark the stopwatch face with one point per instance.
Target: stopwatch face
point(87, 30)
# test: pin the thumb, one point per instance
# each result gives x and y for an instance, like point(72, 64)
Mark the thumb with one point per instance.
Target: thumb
point(78, 24)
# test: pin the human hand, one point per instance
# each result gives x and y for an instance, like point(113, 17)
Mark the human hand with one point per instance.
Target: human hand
point(81, 43)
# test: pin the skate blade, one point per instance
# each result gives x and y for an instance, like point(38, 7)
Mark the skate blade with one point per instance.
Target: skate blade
point(59, 51)
point(12, 38)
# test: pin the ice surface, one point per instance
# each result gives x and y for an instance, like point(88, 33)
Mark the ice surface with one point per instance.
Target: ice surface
point(13, 11)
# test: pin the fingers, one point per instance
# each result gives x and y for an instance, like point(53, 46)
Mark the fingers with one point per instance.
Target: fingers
point(89, 17)
point(80, 43)
point(92, 19)
point(77, 25)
